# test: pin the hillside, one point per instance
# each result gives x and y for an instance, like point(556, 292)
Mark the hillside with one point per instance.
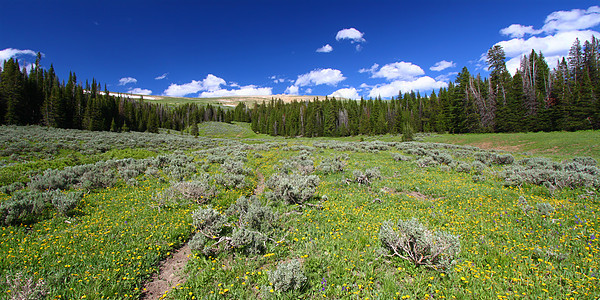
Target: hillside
point(228, 101)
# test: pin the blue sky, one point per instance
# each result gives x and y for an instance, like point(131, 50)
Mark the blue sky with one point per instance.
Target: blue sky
point(343, 48)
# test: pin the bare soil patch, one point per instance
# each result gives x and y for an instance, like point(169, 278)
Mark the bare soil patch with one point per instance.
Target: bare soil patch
point(169, 275)
point(260, 187)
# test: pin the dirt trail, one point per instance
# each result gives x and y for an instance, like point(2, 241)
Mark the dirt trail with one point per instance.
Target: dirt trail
point(169, 275)
point(260, 187)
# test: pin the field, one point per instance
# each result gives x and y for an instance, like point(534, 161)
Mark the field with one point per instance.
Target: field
point(228, 101)
point(282, 218)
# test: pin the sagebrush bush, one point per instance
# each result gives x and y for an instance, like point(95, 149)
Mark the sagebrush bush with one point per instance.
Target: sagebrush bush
point(292, 188)
point(412, 241)
point(230, 180)
point(64, 202)
point(400, 157)
point(249, 241)
point(544, 209)
point(503, 159)
point(197, 242)
point(208, 221)
point(524, 205)
point(22, 206)
point(11, 188)
point(332, 165)
point(288, 276)
point(25, 288)
point(199, 191)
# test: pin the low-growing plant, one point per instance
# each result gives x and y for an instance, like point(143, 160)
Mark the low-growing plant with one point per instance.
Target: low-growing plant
point(209, 222)
point(288, 276)
point(412, 241)
point(333, 164)
point(544, 209)
point(21, 287)
point(11, 188)
point(292, 188)
point(199, 191)
point(400, 157)
point(64, 202)
point(524, 205)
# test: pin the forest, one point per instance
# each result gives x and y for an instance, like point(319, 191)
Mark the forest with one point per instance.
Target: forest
point(535, 98)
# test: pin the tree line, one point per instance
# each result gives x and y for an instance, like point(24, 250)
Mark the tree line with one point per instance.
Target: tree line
point(535, 98)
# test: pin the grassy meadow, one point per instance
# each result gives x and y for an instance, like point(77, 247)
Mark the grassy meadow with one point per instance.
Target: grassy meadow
point(526, 214)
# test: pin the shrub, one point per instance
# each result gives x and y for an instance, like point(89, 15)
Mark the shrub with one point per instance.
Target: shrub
point(25, 288)
point(586, 161)
point(208, 221)
point(197, 190)
point(288, 276)
point(249, 241)
point(525, 207)
point(425, 161)
point(478, 178)
point(333, 164)
point(230, 180)
point(478, 167)
point(10, 189)
point(365, 178)
point(252, 214)
point(443, 158)
point(293, 188)
point(400, 157)
point(463, 167)
point(22, 206)
point(65, 202)
point(503, 159)
point(544, 209)
point(412, 241)
point(198, 242)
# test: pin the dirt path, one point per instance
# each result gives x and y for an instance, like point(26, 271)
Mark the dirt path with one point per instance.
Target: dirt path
point(169, 274)
point(260, 187)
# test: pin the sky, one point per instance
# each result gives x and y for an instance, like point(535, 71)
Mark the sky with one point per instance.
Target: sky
point(346, 48)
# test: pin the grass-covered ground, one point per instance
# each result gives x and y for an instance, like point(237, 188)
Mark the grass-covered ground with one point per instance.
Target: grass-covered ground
point(133, 214)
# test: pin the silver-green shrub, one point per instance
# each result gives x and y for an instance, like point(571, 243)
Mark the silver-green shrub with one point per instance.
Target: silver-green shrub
point(208, 221)
point(412, 241)
point(288, 276)
point(64, 202)
point(544, 209)
point(293, 188)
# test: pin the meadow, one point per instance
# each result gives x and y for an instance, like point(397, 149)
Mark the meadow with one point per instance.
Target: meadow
point(282, 218)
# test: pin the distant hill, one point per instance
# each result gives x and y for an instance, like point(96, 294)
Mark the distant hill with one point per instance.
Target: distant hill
point(223, 101)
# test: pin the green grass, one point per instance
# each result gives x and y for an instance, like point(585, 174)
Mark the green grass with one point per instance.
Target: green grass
point(551, 144)
point(116, 237)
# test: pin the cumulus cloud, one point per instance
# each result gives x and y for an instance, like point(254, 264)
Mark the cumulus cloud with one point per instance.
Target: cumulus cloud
point(351, 34)
point(9, 53)
point(424, 83)
point(397, 70)
point(163, 76)
point(292, 90)
point(348, 93)
point(446, 77)
point(139, 91)
point(277, 79)
point(442, 65)
point(325, 49)
point(320, 76)
point(127, 80)
point(517, 30)
point(249, 90)
point(210, 83)
point(553, 39)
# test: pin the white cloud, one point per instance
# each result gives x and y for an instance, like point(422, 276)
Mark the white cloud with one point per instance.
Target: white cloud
point(561, 28)
point(308, 90)
point(517, 30)
point(351, 34)
point(371, 70)
point(446, 77)
point(320, 76)
point(9, 53)
point(442, 65)
point(210, 83)
point(575, 19)
point(292, 90)
point(249, 90)
point(552, 46)
point(325, 49)
point(397, 70)
point(348, 93)
point(127, 80)
point(139, 91)
point(393, 88)
point(163, 76)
